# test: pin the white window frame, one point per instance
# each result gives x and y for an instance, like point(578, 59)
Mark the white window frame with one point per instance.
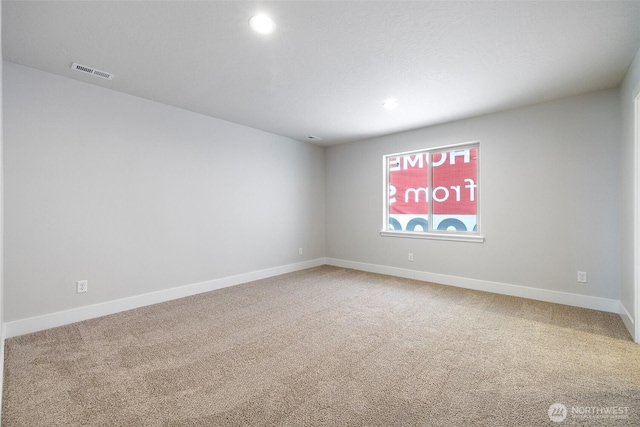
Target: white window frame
point(455, 235)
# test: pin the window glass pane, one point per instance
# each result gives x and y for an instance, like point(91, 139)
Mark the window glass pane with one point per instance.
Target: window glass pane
point(408, 192)
point(455, 178)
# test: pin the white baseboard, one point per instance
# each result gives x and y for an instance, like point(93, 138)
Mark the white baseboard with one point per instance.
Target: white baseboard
point(38, 323)
point(628, 321)
point(52, 320)
point(577, 300)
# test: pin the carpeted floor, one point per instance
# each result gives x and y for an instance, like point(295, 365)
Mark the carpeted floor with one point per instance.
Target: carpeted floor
point(329, 347)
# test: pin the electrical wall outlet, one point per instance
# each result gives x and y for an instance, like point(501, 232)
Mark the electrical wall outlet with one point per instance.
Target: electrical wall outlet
point(300, 251)
point(82, 286)
point(582, 276)
point(410, 257)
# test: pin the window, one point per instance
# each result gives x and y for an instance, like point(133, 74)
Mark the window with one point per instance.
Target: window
point(448, 209)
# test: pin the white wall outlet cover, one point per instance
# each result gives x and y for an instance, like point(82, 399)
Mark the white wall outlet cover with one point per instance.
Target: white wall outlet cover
point(82, 286)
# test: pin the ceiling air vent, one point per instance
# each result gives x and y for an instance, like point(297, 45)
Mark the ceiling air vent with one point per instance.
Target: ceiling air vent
point(314, 138)
point(93, 71)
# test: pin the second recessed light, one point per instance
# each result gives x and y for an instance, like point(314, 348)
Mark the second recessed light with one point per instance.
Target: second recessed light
point(390, 104)
point(262, 24)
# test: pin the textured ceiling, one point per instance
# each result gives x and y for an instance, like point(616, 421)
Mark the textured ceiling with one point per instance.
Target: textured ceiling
point(329, 65)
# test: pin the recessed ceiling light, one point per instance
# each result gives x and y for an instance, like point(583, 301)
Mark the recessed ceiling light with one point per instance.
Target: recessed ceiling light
point(262, 24)
point(390, 104)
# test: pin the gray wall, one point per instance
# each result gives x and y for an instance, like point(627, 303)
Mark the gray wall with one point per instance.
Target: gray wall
point(549, 195)
point(628, 91)
point(138, 197)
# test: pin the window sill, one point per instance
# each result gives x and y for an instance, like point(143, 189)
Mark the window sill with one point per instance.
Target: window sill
point(435, 236)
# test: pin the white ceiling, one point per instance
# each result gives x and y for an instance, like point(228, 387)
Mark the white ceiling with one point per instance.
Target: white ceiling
point(329, 65)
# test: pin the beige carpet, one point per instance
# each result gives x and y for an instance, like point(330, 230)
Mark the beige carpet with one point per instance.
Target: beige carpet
point(328, 347)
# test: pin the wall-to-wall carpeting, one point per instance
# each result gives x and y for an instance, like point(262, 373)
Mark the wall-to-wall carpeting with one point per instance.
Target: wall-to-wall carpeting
point(329, 347)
